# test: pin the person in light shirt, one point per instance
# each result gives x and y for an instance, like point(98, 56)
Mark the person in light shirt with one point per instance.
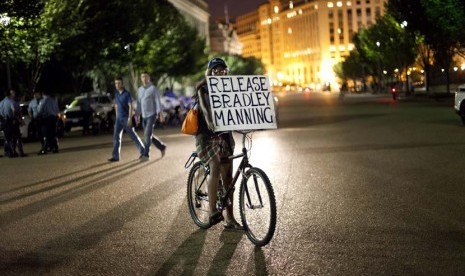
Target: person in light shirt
point(149, 106)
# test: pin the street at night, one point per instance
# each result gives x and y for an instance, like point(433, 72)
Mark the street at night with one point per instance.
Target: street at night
point(368, 186)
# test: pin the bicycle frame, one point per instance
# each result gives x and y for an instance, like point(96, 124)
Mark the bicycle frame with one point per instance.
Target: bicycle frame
point(240, 170)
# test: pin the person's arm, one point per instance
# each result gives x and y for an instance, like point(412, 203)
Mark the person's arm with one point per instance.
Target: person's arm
point(203, 102)
point(29, 110)
point(130, 112)
point(138, 107)
point(159, 106)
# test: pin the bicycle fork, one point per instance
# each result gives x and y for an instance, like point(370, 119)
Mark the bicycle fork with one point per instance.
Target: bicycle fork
point(249, 203)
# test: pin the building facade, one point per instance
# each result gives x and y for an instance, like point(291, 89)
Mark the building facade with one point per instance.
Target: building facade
point(196, 13)
point(299, 42)
point(224, 39)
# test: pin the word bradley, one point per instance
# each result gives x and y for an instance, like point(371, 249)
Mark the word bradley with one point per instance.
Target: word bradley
point(228, 84)
point(240, 100)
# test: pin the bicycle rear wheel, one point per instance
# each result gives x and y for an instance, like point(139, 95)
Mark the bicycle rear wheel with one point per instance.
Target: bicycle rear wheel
point(197, 195)
point(257, 206)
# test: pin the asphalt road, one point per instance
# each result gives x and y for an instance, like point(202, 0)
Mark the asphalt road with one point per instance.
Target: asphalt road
point(364, 187)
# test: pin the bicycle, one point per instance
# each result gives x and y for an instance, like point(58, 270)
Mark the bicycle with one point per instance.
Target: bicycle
point(255, 194)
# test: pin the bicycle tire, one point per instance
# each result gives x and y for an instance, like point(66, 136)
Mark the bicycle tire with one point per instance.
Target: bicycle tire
point(259, 230)
point(197, 200)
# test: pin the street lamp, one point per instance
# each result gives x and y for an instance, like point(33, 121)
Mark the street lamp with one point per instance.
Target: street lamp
point(5, 21)
point(380, 76)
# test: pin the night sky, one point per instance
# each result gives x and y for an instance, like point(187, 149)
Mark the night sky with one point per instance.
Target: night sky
point(235, 7)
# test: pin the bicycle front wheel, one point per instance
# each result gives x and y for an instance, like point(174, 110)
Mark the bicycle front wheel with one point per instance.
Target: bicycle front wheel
point(197, 195)
point(257, 206)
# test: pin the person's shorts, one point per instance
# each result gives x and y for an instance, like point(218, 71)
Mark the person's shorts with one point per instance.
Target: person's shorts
point(209, 147)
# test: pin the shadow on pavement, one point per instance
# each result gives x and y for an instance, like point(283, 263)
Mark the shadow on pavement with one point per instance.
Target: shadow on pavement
point(187, 255)
point(60, 250)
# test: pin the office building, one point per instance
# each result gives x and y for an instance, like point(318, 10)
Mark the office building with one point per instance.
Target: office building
point(299, 42)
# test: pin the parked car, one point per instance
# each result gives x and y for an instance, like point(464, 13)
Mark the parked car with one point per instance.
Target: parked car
point(102, 105)
point(459, 103)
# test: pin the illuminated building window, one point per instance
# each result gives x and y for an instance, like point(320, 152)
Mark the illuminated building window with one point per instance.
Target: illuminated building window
point(349, 3)
point(339, 4)
point(330, 4)
point(276, 9)
point(289, 30)
point(291, 5)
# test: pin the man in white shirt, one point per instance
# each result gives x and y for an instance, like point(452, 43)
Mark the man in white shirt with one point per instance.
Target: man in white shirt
point(149, 105)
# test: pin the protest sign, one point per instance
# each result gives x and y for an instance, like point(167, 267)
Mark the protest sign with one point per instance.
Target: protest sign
point(241, 102)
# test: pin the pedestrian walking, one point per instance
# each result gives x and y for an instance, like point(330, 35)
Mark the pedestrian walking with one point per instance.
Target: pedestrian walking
point(123, 121)
point(149, 106)
point(48, 111)
point(215, 148)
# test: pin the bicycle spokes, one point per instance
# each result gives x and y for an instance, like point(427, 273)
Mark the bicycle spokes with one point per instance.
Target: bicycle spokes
point(197, 195)
point(257, 207)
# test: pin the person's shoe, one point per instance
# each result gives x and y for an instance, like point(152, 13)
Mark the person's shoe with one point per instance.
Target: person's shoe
point(163, 151)
point(42, 152)
point(14, 155)
point(233, 225)
point(113, 160)
point(215, 218)
point(55, 150)
point(144, 158)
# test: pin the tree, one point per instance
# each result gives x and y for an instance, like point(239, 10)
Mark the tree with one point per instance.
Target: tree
point(440, 22)
point(28, 39)
point(385, 46)
point(239, 65)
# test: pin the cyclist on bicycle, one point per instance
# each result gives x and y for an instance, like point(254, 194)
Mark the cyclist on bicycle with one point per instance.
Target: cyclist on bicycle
point(213, 149)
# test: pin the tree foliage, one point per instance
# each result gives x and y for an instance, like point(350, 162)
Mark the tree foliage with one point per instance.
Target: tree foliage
point(440, 22)
point(100, 39)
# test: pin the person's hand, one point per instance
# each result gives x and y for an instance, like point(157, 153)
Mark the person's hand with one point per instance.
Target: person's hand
point(210, 125)
point(136, 120)
point(162, 118)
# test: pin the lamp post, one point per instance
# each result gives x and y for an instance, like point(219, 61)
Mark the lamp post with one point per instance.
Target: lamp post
point(5, 20)
point(403, 25)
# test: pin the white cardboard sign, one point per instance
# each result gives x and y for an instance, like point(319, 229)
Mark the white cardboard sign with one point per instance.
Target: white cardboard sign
point(241, 102)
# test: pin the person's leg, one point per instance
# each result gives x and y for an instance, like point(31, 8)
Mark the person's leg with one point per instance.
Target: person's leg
point(148, 123)
point(53, 134)
point(117, 134)
point(19, 141)
point(8, 132)
point(158, 143)
point(226, 175)
point(213, 180)
point(134, 137)
point(43, 131)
